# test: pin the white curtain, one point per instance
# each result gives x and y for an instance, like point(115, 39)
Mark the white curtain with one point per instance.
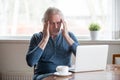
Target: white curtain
point(116, 28)
point(23, 17)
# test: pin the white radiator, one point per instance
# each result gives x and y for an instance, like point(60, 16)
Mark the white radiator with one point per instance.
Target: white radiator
point(16, 76)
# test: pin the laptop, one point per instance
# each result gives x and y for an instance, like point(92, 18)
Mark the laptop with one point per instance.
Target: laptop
point(90, 58)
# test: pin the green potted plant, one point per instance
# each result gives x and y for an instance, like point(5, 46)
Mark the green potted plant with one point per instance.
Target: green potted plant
point(94, 29)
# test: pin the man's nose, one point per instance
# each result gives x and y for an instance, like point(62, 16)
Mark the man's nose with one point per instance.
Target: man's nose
point(56, 26)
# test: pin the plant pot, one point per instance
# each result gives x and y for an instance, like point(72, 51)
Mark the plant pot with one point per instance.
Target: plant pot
point(94, 35)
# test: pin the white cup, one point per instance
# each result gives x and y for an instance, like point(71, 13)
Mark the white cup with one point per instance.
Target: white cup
point(62, 69)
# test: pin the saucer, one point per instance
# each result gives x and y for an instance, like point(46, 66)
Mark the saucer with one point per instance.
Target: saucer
point(58, 74)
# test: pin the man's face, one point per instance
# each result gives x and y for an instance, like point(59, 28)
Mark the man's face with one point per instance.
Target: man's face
point(55, 24)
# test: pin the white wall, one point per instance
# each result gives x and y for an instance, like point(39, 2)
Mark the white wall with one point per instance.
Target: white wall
point(13, 52)
point(12, 56)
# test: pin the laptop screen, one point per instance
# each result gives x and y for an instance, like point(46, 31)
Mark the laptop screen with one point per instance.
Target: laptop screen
point(91, 57)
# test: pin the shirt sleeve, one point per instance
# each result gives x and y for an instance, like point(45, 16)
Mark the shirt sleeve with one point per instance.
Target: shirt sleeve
point(34, 52)
point(73, 47)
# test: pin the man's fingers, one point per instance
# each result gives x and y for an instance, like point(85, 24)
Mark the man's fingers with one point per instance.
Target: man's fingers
point(48, 24)
point(64, 24)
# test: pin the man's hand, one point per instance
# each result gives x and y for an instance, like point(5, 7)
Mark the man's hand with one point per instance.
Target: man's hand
point(46, 33)
point(65, 34)
point(46, 36)
point(64, 30)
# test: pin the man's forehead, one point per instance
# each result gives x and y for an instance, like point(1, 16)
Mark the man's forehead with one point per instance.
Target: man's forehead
point(55, 16)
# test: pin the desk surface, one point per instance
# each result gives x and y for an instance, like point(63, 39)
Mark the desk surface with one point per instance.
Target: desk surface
point(111, 73)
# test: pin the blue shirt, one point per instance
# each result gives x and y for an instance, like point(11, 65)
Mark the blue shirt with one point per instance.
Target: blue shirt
point(57, 52)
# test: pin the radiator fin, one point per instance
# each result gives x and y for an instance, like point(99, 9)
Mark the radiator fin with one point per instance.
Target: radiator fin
point(16, 76)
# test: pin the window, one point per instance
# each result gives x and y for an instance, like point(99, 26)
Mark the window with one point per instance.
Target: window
point(23, 17)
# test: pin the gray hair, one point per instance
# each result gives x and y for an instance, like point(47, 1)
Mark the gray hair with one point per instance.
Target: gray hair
point(51, 11)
